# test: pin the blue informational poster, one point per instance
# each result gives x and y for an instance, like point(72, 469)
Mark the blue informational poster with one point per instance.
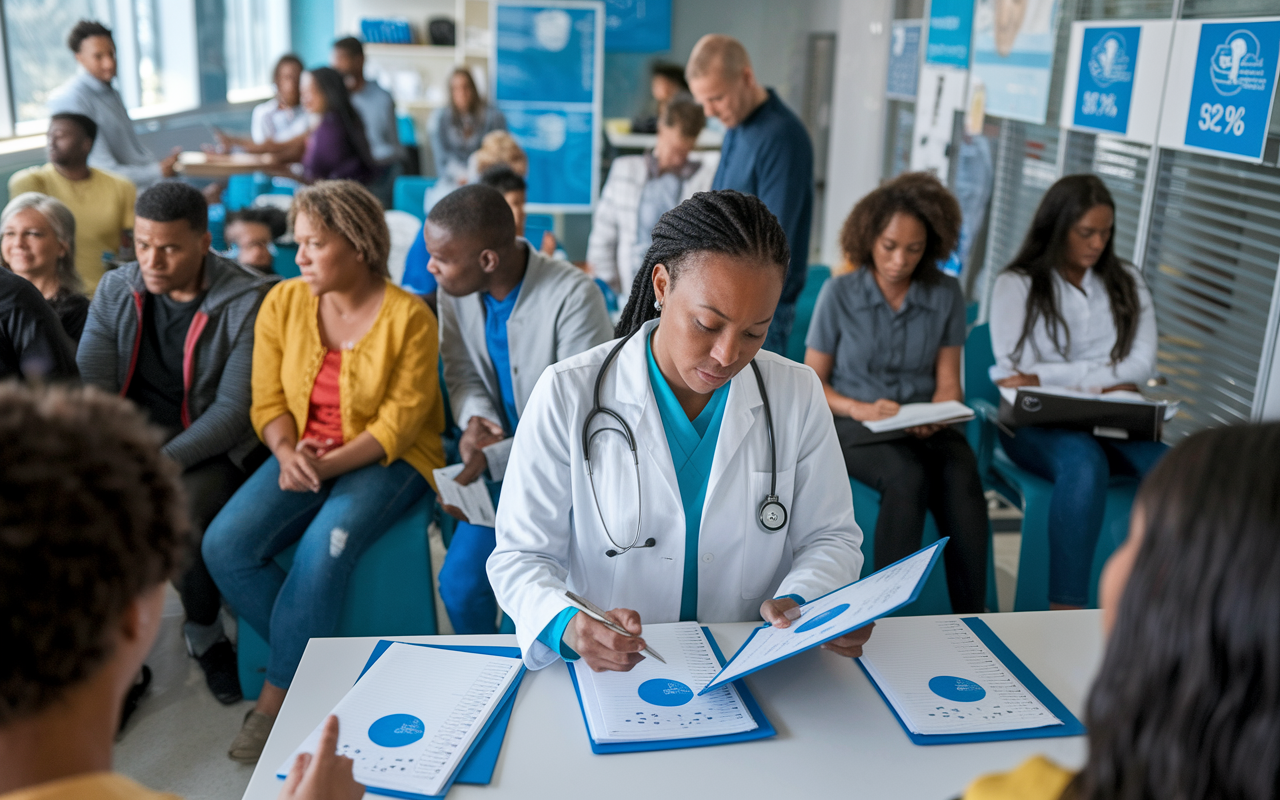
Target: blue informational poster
point(950, 29)
point(904, 60)
point(547, 81)
point(637, 26)
point(1233, 87)
point(1105, 89)
point(1013, 44)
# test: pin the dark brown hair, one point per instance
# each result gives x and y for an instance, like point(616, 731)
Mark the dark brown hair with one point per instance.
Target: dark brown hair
point(917, 194)
point(351, 211)
point(683, 112)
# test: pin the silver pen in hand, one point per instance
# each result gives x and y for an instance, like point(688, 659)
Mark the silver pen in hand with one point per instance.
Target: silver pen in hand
point(595, 612)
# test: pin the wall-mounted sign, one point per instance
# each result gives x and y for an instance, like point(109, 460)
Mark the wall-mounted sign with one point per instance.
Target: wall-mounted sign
point(904, 59)
point(942, 93)
point(637, 26)
point(1013, 42)
point(1221, 86)
point(1117, 77)
point(950, 30)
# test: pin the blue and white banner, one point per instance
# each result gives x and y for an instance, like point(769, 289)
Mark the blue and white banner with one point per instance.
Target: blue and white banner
point(1116, 77)
point(1221, 86)
point(950, 31)
point(904, 60)
point(1013, 46)
point(637, 26)
point(548, 76)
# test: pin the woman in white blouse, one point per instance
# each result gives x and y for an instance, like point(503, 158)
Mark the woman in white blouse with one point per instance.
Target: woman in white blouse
point(1067, 312)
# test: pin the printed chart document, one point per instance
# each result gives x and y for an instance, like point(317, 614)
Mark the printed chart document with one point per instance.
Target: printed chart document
point(411, 719)
point(833, 615)
point(657, 701)
point(941, 678)
point(912, 414)
point(473, 499)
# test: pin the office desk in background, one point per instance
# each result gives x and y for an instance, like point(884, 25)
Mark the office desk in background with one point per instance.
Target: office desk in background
point(836, 737)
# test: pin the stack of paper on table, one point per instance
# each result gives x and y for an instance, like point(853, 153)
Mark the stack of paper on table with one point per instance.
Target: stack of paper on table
point(412, 718)
point(913, 414)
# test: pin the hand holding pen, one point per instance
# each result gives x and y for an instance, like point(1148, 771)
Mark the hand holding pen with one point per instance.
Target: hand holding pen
point(606, 640)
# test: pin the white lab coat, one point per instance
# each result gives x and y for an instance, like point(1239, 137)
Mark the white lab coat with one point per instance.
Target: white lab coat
point(549, 530)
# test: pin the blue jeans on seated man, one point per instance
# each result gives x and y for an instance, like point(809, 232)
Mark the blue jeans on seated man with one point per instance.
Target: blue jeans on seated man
point(1080, 466)
point(784, 319)
point(464, 582)
point(333, 528)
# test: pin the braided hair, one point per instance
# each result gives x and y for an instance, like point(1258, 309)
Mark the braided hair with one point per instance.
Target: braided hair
point(725, 222)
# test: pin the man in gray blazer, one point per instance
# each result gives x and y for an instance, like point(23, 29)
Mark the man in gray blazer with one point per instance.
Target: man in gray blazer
point(507, 312)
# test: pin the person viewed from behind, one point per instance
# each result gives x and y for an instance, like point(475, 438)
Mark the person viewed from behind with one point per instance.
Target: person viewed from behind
point(173, 332)
point(33, 345)
point(251, 234)
point(38, 242)
point(457, 129)
point(1184, 703)
point(92, 524)
point(507, 312)
point(767, 152)
point(337, 147)
point(889, 333)
point(377, 110)
point(346, 396)
point(640, 189)
point(102, 203)
point(117, 147)
point(1068, 312)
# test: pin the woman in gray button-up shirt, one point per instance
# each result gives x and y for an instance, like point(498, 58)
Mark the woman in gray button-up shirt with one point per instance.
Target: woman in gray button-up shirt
point(891, 333)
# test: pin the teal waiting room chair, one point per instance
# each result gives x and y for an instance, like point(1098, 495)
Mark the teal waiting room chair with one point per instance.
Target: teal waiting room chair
point(818, 275)
point(409, 192)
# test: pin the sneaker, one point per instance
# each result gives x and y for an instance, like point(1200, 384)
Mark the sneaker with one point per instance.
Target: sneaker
point(221, 673)
point(248, 744)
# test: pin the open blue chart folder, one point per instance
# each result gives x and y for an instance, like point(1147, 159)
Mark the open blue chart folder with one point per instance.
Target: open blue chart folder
point(764, 728)
point(1070, 725)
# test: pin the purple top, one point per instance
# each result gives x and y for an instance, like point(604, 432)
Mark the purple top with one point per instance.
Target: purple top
point(331, 154)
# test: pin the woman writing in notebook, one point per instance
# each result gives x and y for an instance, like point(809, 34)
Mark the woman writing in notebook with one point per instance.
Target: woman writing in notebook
point(888, 333)
point(1187, 700)
point(1068, 312)
point(679, 473)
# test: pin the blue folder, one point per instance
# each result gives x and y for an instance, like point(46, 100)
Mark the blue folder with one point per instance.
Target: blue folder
point(482, 757)
point(1070, 725)
point(764, 728)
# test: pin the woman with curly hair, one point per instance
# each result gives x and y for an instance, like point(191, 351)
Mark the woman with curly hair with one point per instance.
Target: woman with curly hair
point(890, 333)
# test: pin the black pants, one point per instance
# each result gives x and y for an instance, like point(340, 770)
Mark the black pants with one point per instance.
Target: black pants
point(209, 486)
point(940, 474)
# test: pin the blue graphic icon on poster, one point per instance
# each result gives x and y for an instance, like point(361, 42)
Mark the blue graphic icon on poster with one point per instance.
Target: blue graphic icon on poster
point(957, 690)
point(663, 692)
point(396, 730)
point(637, 26)
point(950, 29)
point(1234, 87)
point(1105, 88)
point(823, 618)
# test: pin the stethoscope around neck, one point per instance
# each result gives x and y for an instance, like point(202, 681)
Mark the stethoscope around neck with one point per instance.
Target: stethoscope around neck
point(773, 514)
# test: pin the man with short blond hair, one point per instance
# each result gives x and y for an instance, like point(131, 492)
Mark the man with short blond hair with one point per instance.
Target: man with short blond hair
point(767, 152)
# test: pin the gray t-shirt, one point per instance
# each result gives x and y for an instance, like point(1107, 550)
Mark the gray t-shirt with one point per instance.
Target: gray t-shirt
point(880, 353)
point(378, 112)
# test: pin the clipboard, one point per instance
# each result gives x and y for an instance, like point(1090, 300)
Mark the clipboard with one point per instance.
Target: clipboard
point(1070, 725)
point(764, 728)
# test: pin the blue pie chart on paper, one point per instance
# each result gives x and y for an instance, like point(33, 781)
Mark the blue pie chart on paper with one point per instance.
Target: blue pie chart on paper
point(396, 730)
point(823, 618)
point(663, 692)
point(959, 690)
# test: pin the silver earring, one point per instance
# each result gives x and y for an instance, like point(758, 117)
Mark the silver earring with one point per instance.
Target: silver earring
point(657, 304)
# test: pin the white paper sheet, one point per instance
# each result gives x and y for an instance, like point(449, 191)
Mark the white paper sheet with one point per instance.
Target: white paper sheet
point(473, 499)
point(497, 455)
point(409, 720)
point(941, 679)
point(834, 615)
point(656, 701)
point(913, 414)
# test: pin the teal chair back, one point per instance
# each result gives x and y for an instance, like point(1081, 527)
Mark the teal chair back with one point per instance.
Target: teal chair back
point(408, 193)
point(284, 262)
point(818, 275)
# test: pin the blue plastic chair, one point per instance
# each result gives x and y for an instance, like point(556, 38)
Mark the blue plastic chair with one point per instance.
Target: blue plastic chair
point(1030, 492)
point(408, 193)
point(283, 262)
point(818, 275)
point(389, 594)
point(406, 131)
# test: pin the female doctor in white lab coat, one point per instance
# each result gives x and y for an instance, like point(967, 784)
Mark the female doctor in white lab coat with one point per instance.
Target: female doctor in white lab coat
point(693, 539)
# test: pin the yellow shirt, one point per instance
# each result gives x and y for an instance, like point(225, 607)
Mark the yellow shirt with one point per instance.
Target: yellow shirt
point(102, 205)
point(1037, 778)
point(388, 385)
point(97, 785)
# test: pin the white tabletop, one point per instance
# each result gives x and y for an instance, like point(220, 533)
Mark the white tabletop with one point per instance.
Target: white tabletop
point(836, 737)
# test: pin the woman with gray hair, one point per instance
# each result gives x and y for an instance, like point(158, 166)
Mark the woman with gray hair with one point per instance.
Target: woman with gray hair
point(38, 242)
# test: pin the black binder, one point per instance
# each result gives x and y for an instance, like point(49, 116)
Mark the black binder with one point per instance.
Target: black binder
point(1114, 419)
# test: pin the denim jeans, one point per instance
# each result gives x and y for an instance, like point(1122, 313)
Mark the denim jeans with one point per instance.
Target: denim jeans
point(333, 528)
point(464, 582)
point(1080, 466)
point(784, 319)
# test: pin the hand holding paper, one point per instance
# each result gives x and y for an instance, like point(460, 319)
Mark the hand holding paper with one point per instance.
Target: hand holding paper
point(780, 612)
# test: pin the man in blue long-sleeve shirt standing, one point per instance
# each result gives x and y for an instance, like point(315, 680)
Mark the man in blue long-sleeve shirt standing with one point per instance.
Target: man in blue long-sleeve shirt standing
point(766, 152)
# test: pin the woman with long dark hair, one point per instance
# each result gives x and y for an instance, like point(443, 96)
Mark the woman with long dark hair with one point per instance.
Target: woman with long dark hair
point(1187, 700)
point(679, 473)
point(1068, 312)
point(337, 148)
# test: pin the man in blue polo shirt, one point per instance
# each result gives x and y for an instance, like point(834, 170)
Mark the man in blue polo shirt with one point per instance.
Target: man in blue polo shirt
point(767, 152)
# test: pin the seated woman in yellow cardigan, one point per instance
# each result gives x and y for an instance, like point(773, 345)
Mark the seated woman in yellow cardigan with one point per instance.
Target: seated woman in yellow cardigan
point(346, 394)
point(1187, 700)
